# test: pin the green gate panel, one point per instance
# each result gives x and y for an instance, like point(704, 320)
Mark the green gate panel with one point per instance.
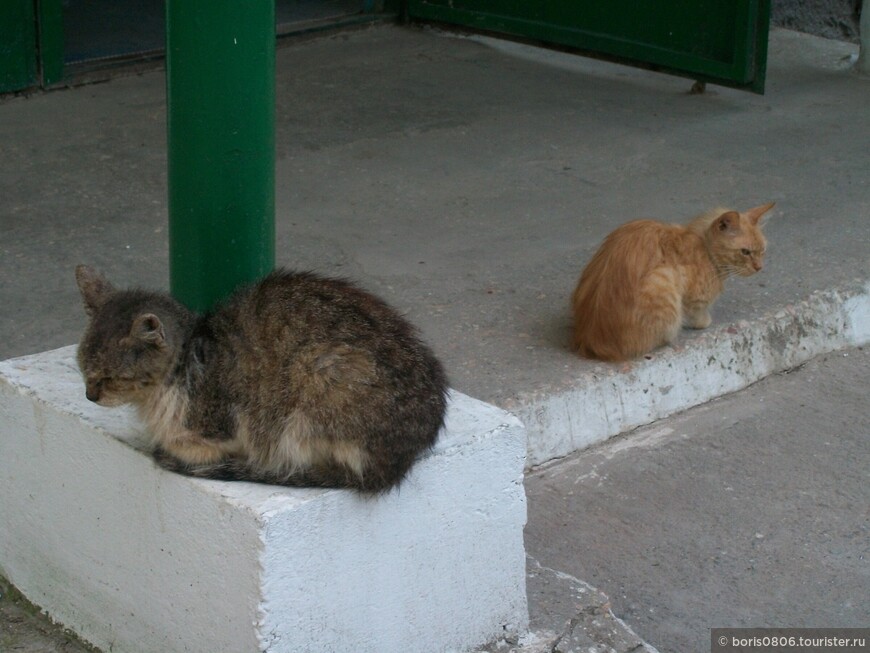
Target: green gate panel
point(51, 41)
point(17, 45)
point(720, 41)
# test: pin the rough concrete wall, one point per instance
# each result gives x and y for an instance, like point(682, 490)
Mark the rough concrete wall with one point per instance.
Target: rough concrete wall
point(831, 19)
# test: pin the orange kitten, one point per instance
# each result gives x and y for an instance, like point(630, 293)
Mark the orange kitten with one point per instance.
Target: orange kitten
point(649, 278)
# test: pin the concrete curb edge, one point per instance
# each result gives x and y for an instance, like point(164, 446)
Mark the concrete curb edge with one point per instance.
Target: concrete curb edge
point(613, 399)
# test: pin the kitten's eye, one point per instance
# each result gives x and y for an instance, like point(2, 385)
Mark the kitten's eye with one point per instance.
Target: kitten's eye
point(745, 252)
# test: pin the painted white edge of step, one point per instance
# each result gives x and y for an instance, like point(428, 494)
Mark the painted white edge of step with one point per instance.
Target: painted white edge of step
point(612, 399)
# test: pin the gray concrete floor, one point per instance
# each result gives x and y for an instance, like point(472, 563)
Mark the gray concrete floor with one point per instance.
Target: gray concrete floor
point(468, 184)
point(749, 511)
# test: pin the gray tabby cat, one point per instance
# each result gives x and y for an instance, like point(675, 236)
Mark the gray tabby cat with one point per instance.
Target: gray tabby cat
point(297, 380)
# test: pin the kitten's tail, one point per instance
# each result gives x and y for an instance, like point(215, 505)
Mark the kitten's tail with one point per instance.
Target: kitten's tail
point(238, 470)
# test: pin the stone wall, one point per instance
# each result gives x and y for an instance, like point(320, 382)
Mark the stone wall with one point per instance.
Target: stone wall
point(831, 19)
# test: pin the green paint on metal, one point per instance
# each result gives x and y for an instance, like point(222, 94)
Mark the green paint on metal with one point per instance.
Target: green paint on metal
point(710, 40)
point(220, 65)
point(51, 43)
point(17, 45)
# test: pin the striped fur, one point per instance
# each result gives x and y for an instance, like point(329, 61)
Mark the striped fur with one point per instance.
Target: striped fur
point(296, 380)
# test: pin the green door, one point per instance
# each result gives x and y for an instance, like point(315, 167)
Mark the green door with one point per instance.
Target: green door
point(31, 44)
point(719, 41)
point(17, 45)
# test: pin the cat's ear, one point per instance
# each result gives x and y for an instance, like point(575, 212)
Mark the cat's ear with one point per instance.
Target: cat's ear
point(95, 288)
point(728, 222)
point(756, 214)
point(148, 328)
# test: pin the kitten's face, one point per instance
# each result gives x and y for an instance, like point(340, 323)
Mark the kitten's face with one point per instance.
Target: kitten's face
point(742, 253)
point(736, 242)
point(121, 358)
point(123, 352)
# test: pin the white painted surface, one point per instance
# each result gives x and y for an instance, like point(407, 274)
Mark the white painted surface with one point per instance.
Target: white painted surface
point(616, 398)
point(132, 558)
point(445, 552)
point(138, 559)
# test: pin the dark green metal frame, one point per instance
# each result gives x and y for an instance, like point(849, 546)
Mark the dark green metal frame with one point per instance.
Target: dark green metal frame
point(17, 45)
point(31, 44)
point(718, 41)
point(50, 30)
point(32, 40)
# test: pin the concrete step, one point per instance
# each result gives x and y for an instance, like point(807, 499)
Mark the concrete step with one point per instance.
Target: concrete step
point(611, 399)
point(568, 615)
point(134, 558)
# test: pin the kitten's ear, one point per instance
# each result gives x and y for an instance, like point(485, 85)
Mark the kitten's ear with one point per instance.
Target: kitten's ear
point(755, 214)
point(728, 222)
point(95, 288)
point(148, 328)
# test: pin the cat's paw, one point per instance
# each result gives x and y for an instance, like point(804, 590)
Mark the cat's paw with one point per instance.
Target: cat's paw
point(699, 321)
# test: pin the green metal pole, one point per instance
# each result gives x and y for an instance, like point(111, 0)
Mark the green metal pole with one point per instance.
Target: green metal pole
point(220, 79)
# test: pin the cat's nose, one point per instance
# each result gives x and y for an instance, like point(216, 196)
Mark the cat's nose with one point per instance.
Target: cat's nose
point(757, 265)
point(93, 391)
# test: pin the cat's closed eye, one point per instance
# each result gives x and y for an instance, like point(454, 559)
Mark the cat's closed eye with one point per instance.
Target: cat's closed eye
point(745, 252)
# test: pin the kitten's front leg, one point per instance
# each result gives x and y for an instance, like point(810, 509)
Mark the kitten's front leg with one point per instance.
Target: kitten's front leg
point(697, 316)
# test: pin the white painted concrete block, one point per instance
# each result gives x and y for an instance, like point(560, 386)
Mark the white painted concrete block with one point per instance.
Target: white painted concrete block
point(138, 559)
